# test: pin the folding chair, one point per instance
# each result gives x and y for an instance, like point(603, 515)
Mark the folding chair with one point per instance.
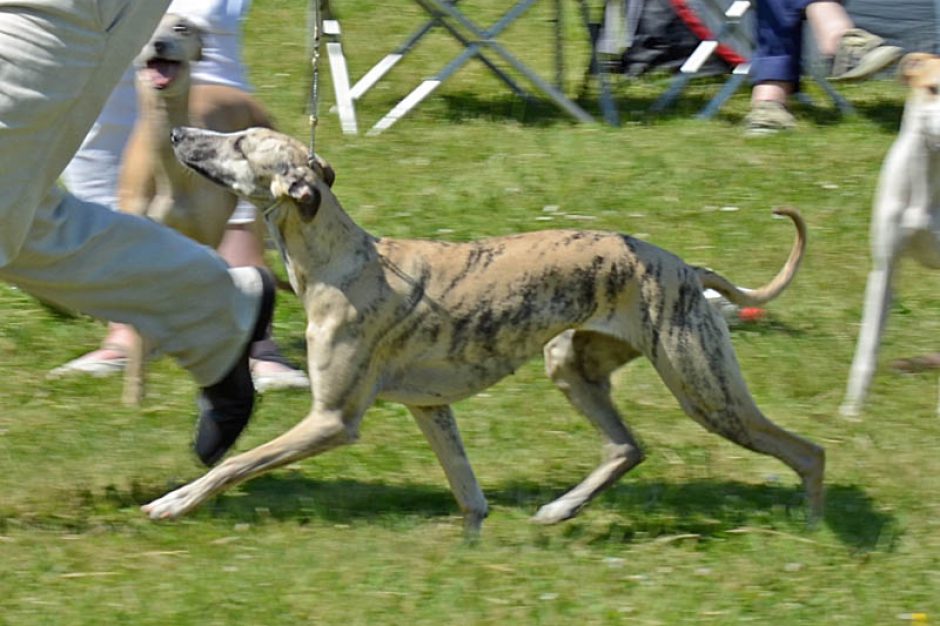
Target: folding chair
point(478, 42)
point(340, 73)
point(608, 39)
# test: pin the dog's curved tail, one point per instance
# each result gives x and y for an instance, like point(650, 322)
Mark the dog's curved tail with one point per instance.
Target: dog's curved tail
point(755, 297)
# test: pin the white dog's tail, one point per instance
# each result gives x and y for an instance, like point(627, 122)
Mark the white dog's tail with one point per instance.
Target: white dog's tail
point(756, 297)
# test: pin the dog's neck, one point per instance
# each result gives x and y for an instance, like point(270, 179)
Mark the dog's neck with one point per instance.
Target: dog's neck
point(158, 114)
point(319, 251)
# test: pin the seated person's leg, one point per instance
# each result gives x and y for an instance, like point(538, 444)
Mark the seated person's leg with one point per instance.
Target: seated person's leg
point(775, 67)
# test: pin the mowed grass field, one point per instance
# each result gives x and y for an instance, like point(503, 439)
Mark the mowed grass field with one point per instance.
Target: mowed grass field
point(704, 532)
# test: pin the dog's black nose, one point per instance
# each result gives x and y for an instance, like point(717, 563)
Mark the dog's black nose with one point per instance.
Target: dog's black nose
point(159, 46)
point(176, 135)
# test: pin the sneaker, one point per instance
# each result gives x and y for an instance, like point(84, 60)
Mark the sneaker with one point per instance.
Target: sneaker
point(862, 54)
point(226, 406)
point(767, 117)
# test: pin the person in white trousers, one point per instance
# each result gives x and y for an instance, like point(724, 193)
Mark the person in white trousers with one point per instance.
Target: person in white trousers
point(93, 175)
point(59, 61)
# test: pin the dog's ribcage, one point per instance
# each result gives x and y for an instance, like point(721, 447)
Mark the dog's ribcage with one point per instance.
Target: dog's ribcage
point(459, 317)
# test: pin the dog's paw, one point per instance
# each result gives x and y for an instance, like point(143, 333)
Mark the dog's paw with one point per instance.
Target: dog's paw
point(557, 511)
point(850, 411)
point(172, 505)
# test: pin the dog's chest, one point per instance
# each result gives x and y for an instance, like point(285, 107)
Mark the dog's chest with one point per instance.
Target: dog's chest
point(175, 210)
point(198, 215)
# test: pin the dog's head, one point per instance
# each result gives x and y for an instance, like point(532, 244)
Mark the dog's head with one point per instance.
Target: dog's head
point(164, 62)
point(921, 72)
point(259, 164)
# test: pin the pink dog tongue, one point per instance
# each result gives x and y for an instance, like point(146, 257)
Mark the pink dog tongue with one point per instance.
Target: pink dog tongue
point(161, 72)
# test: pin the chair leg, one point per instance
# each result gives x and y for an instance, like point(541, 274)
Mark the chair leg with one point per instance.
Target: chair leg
point(340, 74)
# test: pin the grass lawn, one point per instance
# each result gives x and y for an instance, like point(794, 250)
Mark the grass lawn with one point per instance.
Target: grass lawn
point(702, 533)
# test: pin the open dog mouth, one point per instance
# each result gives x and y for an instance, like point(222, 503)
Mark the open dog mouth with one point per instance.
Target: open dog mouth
point(161, 72)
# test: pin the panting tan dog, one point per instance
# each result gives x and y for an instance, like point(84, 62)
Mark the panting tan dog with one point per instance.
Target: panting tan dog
point(427, 323)
point(905, 218)
point(152, 182)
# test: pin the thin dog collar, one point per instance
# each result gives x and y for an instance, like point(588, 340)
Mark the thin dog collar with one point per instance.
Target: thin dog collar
point(266, 212)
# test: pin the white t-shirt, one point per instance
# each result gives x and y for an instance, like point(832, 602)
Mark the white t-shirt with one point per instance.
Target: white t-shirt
point(221, 54)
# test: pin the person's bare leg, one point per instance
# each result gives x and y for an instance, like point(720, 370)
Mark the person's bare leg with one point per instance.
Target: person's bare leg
point(855, 54)
point(242, 245)
point(239, 247)
point(776, 91)
point(829, 21)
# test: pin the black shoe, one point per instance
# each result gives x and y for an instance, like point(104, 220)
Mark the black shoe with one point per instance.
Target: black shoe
point(225, 407)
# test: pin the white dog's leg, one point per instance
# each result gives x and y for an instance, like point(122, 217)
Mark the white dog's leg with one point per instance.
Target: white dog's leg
point(877, 303)
point(315, 434)
point(579, 364)
point(439, 427)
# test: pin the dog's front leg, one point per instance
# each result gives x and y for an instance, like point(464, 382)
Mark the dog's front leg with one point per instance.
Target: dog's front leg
point(439, 427)
point(318, 432)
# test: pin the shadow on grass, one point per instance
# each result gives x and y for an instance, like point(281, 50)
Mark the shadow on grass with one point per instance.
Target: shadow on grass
point(768, 326)
point(541, 112)
point(885, 113)
point(634, 98)
point(707, 508)
point(640, 509)
point(713, 508)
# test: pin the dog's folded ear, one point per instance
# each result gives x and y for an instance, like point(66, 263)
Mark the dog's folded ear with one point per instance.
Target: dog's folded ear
point(323, 170)
point(299, 184)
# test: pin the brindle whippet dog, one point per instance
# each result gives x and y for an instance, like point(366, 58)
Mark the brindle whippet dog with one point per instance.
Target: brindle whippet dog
point(428, 323)
point(906, 215)
point(152, 182)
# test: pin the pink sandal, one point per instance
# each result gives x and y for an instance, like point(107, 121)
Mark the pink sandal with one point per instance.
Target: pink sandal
point(90, 365)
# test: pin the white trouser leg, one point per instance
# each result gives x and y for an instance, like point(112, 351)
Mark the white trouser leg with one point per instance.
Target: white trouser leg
point(178, 294)
point(59, 60)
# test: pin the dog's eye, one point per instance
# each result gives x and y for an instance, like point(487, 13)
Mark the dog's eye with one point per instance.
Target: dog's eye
point(933, 89)
point(237, 146)
point(182, 29)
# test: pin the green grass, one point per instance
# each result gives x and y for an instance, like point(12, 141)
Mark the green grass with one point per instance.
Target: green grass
point(702, 533)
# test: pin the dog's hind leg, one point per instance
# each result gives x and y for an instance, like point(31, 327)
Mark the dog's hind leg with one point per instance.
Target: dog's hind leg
point(439, 427)
point(701, 370)
point(874, 314)
point(580, 364)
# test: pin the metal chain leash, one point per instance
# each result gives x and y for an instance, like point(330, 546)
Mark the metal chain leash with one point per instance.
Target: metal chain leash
point(315, 26)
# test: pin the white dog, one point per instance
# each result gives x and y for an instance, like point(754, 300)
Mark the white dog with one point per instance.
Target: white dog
point(427, 323)
point(906, 216)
